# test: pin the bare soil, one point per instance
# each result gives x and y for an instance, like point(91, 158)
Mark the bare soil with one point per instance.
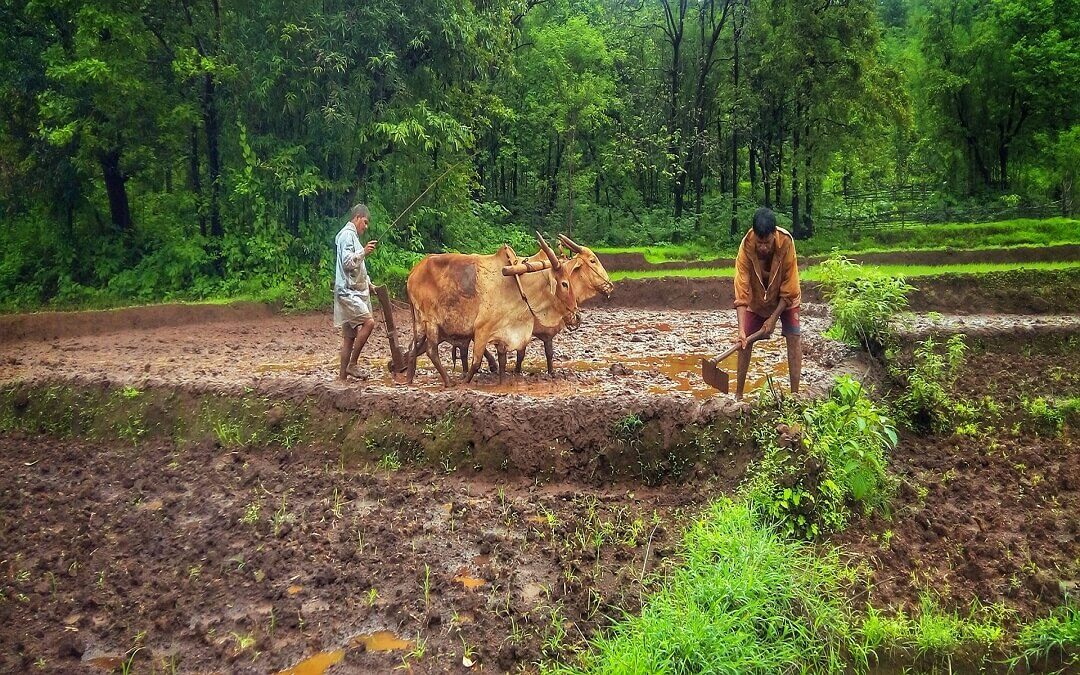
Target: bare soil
point(251, 562)
point(197, 557)
point(989, 516)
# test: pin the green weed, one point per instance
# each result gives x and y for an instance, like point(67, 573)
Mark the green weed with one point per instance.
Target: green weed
point(864, 303)
point(744, 599)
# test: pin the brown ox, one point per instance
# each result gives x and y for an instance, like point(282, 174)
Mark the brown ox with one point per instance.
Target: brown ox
point(457, 297)
point(588, 278)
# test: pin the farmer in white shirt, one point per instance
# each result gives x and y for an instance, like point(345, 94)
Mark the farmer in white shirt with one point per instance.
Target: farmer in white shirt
point(352, 300)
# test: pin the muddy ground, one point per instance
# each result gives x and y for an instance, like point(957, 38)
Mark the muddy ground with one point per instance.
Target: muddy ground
point(199, 557)
point(216, 561)
point(988, 513)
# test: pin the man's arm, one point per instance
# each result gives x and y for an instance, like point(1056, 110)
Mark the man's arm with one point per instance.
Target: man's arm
point(743, 271)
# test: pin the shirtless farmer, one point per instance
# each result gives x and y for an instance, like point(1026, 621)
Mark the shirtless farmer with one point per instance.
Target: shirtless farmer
point(352, 299)
point(767, 289)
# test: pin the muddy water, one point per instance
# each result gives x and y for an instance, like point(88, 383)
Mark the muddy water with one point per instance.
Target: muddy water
point(470, 583)
point(380, 641)
point(315, 665)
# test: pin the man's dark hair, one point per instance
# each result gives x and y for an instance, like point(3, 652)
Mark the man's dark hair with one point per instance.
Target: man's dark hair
point(764, 222)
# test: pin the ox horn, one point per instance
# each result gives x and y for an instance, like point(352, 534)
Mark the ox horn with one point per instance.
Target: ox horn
point(555, 262)
point(570, 244)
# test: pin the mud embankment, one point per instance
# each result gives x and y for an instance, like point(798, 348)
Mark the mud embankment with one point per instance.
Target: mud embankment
point(636, 262)
point(53, 325)
point(1015, 292)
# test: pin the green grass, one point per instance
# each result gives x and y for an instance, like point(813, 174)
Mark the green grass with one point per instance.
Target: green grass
point(667, 253)
point(1023, 232)
point(744, 600)
point(811, 273)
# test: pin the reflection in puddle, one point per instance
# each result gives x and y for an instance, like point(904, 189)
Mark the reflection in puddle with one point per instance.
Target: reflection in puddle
point(470, 583)
point(684, 371)
point(316, 665)
point(380, 641)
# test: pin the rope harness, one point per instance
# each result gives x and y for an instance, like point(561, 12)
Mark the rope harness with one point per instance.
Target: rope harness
point(512, 259)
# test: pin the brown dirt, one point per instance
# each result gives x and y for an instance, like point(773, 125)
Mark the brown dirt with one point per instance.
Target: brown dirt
point(992, 516)
point(621, 365)
point(54, 325)
point(617, 262)
point(1019, 292)
point(109, 548)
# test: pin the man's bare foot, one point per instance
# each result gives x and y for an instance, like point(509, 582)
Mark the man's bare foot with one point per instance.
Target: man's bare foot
point(354, 371)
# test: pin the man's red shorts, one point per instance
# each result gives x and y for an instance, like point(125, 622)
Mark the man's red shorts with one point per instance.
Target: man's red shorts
point(789, 320)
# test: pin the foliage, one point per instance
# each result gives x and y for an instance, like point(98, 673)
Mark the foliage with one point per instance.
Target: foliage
point(863, 303)
point(164, 152)
point(926, 403)
point(934, 632)
point(832, 457)
point(1058, 633)
point(743, 599)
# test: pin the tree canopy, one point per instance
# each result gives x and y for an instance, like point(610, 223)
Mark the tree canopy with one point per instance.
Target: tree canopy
point(193, 148)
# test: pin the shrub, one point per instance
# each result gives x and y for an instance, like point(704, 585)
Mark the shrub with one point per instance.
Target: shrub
point(926, 403)
point(863, 303)
point(837, 458)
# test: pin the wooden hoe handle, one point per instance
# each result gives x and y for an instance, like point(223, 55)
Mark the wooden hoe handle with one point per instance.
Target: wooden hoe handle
point(750, 339)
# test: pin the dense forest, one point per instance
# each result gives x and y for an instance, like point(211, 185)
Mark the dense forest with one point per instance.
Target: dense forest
point(195, 149)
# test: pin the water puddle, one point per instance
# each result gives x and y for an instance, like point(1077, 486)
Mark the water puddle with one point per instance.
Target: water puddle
point(684, 372)
point(294, 589)
point(316, 665)
point(380, 641)
point(470, 583)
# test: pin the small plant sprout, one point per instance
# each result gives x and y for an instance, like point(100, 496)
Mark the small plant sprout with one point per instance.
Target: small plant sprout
point(372, 597)
point(251, 513)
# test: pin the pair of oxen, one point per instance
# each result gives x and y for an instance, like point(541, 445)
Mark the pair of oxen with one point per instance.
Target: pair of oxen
point(499, 300)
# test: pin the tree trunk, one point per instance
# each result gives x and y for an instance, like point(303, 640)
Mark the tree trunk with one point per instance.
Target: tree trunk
point(753, 169)
point(778, 197)
point(796, 224)
point(735, 136)
point(808, 220)
point(196, 179)
point(119, 210)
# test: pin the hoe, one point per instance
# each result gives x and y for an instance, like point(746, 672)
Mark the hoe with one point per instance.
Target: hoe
point(718, 378)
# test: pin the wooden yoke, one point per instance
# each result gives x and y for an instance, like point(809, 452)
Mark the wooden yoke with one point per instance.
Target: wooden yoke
point(526, 267)
point(397, 363)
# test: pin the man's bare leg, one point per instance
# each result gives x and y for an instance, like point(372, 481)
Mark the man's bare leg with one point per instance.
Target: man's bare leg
point(348, 337)
point(362, 336)
point(794, 359)
point(744, 366)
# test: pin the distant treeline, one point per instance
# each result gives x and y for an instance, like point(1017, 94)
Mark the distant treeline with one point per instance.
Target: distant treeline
point(200, 148)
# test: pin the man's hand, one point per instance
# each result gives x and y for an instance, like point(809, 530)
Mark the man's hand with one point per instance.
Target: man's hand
point(742, 340)
point(769, 325)
point(370, 246)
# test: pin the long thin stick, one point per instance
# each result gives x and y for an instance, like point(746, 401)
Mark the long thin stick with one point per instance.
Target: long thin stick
point(426, 190)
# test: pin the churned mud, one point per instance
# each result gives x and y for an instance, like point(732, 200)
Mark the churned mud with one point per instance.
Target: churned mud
point(615, 352)
point(988, 513)
point(200, 559)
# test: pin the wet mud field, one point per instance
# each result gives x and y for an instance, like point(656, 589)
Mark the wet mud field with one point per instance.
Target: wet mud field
point(200, 552)
point(615, 352)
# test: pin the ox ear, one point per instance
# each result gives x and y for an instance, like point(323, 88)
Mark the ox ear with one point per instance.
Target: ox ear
point(555, 262)
point(570, 244)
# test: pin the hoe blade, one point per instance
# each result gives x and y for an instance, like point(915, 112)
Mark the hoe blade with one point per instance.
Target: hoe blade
point(715, 377)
